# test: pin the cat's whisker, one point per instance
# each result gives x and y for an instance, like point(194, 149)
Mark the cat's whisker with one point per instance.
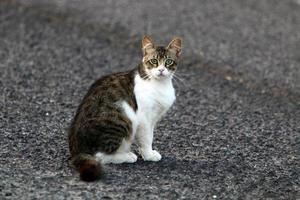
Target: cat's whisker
point(178, 76)
point(180, 73)
point(182, 76)
point(178, 79)
point(148, 76)
point(176, 82)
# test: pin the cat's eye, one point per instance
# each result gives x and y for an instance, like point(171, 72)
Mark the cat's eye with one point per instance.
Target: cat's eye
point(154, 61)
point(169, 62)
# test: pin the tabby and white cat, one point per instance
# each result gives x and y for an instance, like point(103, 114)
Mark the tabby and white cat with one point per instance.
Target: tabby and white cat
point(123, 107)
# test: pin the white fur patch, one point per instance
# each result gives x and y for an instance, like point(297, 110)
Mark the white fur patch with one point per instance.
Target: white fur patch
point(131, 115)
point(154, 97)
point(116, 158)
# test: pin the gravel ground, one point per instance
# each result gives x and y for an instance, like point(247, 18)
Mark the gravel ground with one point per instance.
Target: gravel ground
point(233, 133)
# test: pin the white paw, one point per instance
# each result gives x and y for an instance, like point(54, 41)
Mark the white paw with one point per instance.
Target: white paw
point(152, 155)
point(132, 158)
point(117, 158)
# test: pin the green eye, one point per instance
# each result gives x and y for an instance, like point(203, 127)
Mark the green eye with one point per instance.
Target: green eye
point(169, 62)
point(154, 61)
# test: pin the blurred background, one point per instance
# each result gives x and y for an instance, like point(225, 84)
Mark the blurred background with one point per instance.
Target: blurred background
point(257, 38)
point(232, 134)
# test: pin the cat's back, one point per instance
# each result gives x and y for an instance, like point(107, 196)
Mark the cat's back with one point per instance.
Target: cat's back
point(103, 95)
point(112, 85)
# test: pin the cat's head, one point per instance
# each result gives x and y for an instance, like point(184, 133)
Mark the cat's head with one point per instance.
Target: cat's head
point(160, 62)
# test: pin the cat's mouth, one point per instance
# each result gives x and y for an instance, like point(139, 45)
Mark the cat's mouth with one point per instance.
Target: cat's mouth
point(161, 76)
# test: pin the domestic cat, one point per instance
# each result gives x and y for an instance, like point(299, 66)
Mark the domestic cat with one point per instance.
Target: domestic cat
point(123, 107)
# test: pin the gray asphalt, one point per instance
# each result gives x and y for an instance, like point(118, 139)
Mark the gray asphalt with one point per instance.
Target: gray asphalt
point(233, 133)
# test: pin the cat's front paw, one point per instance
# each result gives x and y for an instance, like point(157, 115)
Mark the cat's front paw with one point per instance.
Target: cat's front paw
point(152, 155)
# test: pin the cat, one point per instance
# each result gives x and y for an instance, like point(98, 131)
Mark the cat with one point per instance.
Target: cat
point(123, 107)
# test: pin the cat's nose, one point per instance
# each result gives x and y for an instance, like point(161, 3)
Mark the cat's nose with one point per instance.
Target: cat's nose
point(161, 70)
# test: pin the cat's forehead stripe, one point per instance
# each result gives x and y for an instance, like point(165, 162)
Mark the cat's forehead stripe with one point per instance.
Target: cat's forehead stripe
point(161, 52)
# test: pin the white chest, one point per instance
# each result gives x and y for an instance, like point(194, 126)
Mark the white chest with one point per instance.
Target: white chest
point(153, 97)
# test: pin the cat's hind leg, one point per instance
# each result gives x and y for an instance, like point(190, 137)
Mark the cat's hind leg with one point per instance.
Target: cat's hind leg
point(116, 158)
point(122, 155)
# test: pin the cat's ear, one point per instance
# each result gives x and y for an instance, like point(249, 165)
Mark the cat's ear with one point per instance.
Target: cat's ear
point(175, 46)
point(147, 45)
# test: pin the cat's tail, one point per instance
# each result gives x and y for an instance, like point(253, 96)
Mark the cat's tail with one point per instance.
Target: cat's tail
point(88, 167)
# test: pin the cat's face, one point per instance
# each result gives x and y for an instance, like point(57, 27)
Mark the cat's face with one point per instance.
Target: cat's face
point(160, 62)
